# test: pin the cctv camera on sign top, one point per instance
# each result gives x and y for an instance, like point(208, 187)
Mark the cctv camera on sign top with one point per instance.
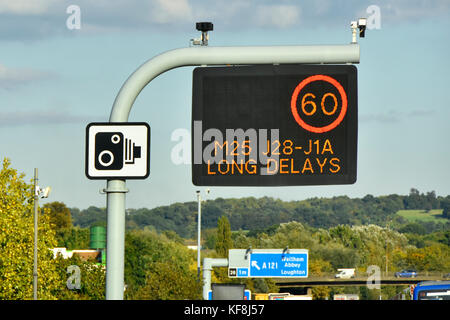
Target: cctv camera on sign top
point(362, 24)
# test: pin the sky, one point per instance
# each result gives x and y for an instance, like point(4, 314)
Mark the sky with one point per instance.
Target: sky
point(62, 64)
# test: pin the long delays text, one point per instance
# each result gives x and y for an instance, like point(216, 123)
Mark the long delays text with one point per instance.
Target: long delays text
point(277, 157)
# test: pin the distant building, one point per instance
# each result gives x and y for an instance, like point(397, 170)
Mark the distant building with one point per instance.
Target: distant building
point(346, 296)
point(191, 245)
point(62, 252)
point(85, 254)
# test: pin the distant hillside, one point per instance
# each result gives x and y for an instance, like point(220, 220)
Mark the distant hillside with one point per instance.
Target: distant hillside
point(259, 214)
point(423, 215)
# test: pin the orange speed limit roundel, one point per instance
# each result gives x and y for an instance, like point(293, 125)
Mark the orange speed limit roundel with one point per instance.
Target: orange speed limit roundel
point(308, 105)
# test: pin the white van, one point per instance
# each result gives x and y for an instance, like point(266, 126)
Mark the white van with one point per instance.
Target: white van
point(346, 273)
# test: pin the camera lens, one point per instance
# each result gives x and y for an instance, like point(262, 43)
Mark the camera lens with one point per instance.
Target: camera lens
point(115, 139)
point(106, 158)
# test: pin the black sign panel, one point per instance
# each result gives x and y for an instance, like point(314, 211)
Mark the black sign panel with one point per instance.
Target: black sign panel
point(274, 125)
point(227, 291)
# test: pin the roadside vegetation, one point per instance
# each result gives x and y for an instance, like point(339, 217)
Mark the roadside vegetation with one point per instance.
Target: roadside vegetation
point(394, 232)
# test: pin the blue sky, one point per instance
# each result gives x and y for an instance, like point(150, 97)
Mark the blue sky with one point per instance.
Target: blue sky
point(54, 81)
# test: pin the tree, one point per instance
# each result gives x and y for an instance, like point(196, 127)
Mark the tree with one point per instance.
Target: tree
point(223, 241)
point(61, 220)
point(159, 268)
point(92, 279)
point(445, 205)
point(75, 238)
point(320, 292)
point(169, 281)
point(59, 215)
point(414, 228)
point(17, 241)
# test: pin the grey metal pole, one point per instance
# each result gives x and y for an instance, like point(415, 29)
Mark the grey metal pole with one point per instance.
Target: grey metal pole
point(35, 254)
point(199, 230)
point(192, 56)
point(115, 239)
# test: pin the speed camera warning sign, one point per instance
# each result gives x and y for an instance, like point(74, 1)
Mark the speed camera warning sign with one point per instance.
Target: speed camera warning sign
point(270, 125)
point(117, 150)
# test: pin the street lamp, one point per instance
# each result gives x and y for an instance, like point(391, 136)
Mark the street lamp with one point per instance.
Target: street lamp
point(199, 228)
point(38, 193)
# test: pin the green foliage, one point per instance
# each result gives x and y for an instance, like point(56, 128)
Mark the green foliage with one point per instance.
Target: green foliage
point(60, 215)
point(413, 227)
point(321, 292)
point(352, 247)
point(159, 268)
point(89, 217)
point(338, 232)
point(169, 281)
point(445, 205)
point(17, 241)
point(61, 221)
point(265, 214)
point(209, 237)
point(92, 276)
point(434, 215)
point(74, 238)
point(223, 240)
point(435, 257)
point(416, 200)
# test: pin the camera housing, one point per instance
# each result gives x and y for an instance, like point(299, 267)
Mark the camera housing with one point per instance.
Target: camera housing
point(112, 151)
point(204, 26)
point(109, 151)
point(362, 24)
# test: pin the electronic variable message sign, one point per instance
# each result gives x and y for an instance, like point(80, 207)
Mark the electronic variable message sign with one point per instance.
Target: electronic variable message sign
point(274, 125)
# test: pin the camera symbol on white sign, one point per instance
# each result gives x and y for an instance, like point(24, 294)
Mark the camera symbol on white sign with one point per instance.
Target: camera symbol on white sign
point(118, 150)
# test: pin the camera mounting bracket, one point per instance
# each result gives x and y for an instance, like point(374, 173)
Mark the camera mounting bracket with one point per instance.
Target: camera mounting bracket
point(204, 27)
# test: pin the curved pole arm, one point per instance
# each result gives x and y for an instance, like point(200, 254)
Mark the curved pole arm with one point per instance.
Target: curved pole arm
point(194, 56)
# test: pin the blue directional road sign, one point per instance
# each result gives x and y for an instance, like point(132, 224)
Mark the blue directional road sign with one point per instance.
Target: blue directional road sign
point(268, 263)
point(276, 265)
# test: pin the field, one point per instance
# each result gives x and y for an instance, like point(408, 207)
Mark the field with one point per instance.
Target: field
point(422, 215)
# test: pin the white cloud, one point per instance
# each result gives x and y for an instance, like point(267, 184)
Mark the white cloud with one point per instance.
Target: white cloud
point(280, 16)
point(44, 117)
point(13, 77)
point(36, 19)
point(26, 7)
point(172, 11)
point(410, 10)
point(394, 116)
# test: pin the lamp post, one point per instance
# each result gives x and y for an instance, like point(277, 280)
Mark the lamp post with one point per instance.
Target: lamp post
point(38, 193)
point(199, 229)
point(36, 197)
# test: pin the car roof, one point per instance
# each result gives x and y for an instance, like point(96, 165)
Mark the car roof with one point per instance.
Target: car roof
point(433, 283)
